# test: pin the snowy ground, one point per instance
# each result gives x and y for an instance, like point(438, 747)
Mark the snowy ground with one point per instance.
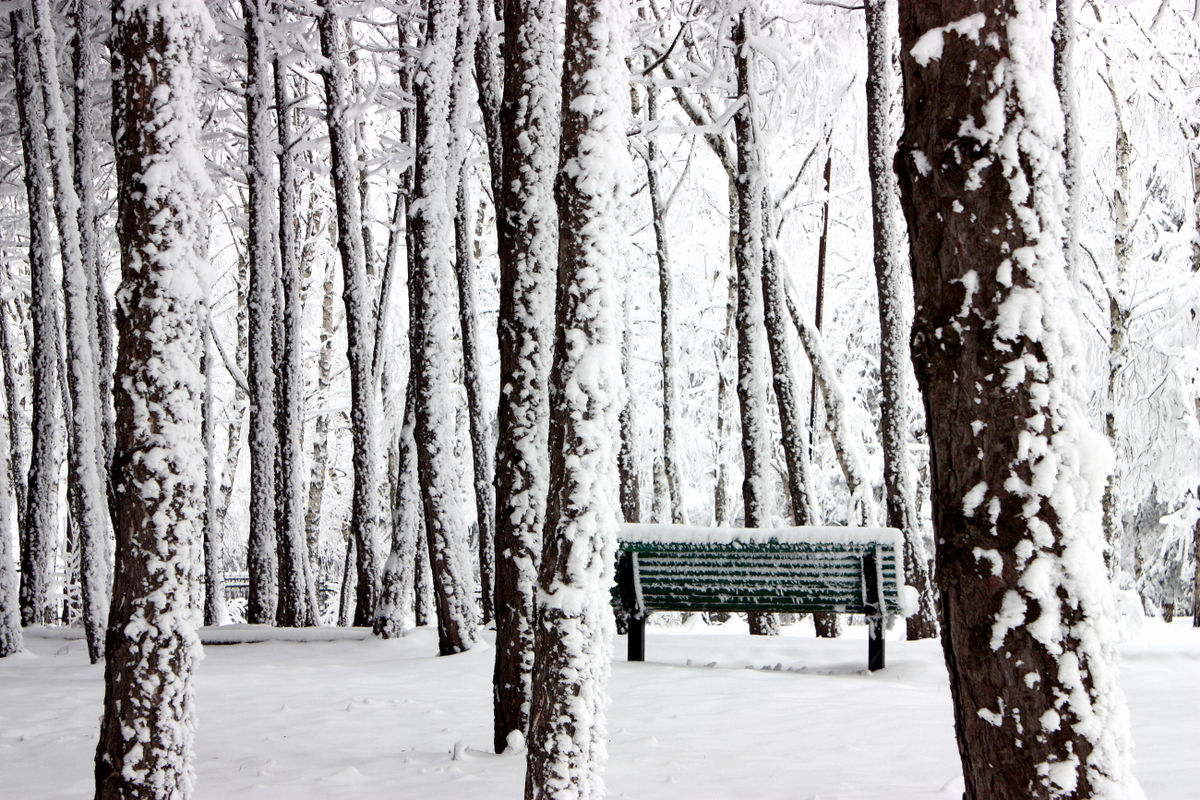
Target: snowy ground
point(713, 714)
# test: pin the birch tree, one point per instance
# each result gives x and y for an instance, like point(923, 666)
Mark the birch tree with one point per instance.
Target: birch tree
point(574, 616)
point(145, 747)
point(1017, 475)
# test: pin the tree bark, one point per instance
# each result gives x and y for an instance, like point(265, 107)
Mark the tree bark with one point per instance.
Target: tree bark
point(627, 467)
point(11, 640)
point(1016, 505)
point(215, 612)
point(41, 515)
point(364, 404)
point(396, 613)
point(145, 747)
point(320, 440)
point(261, 560)
point(574, 616)
point(526, 226)
point(893, 328)
point(297, 592)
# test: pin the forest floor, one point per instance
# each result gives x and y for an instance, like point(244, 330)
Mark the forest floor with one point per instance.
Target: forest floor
point(713, 713)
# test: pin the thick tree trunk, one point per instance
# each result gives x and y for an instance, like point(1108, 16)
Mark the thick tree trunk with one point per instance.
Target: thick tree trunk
point(574, 618)
point(752, 350)
point(145, 748)
point(893, 339)
point(432, 322)
point(526, 225)
point(261, 559)
point(297, 591)
point(1016, 505)
point(364, 403)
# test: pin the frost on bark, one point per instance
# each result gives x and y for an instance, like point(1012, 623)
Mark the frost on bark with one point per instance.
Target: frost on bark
point(395, 614)
point(261, 560)
point(17, 455)
point(320, 439)
point(364, 402)
point(84, 452)
point(297, 591)
point(723, 495)
point(893, 341)
point(1064, 82)
point(431, 327)
point(145, 747)
point(751, 338)
point(215, 612)
point(41, 514)
point(627, 468)
point(482, 450)
point(567, 728)
point(1016, 473)
point(526, 223)
point(10, 617)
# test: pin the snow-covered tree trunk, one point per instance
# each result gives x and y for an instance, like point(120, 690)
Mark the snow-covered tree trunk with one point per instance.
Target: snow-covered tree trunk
point(794, 433)
point(320, 440)
point(397, 602)
point(1064, 82)
point(215, 612)
point(10, 616)
point(751, 339)
point(16, 464)
point(723, 495)
point(482, 449)
point(526, 225)
point(261, 560)
point(1115, 286)
point(627, 466)
point(431, 326)
point(84, 453)
point(894, 330)
point(41, 514)
point(670, 391)
point(297, 591)
point(364, 402)
point(1017, 474)
point(145, 747)
point(567, 736)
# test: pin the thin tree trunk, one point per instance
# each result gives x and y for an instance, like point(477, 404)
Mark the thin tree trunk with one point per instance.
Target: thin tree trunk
point(1064, 83)
point(11, 640)
point(893, 339)
point(482, 449)
point(723, 495)
point(261, 559)
point(215, 612)
point(1016, 512)
point(320, 441)
point(627, 467)
point(297, 592)
point(574, 618)
point(752, 355)
point(84, 453)
point(431, 321)
point(526, 227)
point(364, 403)
point(397, 602)
point(10, 344)
point(345, 616)
point(423, 609)
point(145, 747)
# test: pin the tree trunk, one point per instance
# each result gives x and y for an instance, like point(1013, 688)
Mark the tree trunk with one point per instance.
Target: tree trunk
point(145, 747)
point(752, 355)
point(10, 344)
point(10, 616)
point(723, 495)
point(482, 449)
point(261, 559)
point(574, 616)
point(297, 591)
point(893, 328)
point(627, 467)
point(1064, 83)
point(526, 227)
point(215, 612)
point(431, 326)
point(41, 515)
point(1016, 504)
point(320, 441)
point(364, 404)
point(396, 612)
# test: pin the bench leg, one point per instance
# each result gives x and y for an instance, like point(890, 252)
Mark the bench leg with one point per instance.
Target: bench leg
point(637, 637)
point(875, 660)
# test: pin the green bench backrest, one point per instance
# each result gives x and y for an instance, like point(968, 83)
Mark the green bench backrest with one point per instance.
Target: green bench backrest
point(800, 577)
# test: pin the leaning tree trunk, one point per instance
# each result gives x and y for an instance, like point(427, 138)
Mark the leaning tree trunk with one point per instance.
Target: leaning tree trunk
point(752, 351)
point(574, 618)
point(41, 514)
point(526, 228)
point(297, 593)
point(364, 402)
point(1025, 605)
point(893, 340)
point(431, 326)
point(145, 747)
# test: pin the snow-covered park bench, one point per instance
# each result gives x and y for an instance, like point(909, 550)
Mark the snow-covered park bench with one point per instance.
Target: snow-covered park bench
point(797, 570)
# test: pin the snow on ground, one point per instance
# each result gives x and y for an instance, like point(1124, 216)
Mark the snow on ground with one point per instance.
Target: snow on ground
point(713, 713)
